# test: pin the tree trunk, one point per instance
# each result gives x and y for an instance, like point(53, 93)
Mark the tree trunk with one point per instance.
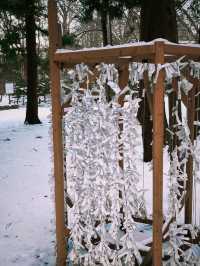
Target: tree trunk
point(144, 117)
point(199, 35)
point(32, 99)
point(158, 20)
point(109, 30)
point(104, 27)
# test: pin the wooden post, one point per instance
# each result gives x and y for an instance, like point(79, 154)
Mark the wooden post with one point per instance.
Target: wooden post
point(54, 41)
point(148, 92)
point(189, 184)
point(158, 138)
point(123, 81)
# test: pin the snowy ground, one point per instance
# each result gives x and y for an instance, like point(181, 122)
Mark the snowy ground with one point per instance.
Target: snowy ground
point(26, 209)
point(27, 235)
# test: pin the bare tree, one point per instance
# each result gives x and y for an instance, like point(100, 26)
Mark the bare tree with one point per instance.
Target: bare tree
point(188, 15)
point(68, 15)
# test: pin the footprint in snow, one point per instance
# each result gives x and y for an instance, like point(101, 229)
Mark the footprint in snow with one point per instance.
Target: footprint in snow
point(38, 137)
point(8, 225)
point(7, 139)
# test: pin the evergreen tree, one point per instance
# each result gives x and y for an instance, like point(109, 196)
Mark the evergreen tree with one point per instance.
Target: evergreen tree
point(26, 11)
point(108, 10)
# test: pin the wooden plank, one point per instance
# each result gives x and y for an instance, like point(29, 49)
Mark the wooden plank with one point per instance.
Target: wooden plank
point(118, 60)
point(93, 62)
point(180, 50)
point(189, 184)
point(148, 92)
point(158, 139)
point(172, 98)
point(143, 220)
point(98, 55)
point(57, 136)
point(126, 53)
point(123, 81)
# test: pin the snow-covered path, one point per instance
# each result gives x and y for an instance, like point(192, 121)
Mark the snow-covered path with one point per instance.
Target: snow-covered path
point(26, 233)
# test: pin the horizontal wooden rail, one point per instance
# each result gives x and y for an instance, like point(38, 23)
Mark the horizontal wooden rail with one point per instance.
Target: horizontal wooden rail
point(108, 54)
point(125, 53)
point(181, 50)
point(69, 63)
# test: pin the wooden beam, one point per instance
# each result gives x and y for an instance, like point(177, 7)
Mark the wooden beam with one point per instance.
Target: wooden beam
point(54, 41)
point(125, 53)
point(181, 50)
point(123, 81)
point(143, 220)
point(107, 60)
point(189, 184)
point(117, 60)
point(158, 139)
point(105, 54)
point(148, 92)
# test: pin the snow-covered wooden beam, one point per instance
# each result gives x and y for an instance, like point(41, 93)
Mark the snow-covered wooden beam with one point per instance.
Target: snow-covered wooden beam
point(190, 50)
point(110, 54)
point(125, 53)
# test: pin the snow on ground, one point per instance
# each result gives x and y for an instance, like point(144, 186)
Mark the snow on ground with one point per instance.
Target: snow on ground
point(26, 233)
point(4, 100)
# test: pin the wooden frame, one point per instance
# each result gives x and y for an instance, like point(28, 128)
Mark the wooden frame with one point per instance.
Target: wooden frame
point(54, 41)
point(158, 52)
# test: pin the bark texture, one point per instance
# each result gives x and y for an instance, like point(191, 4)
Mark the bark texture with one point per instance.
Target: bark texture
point(32, 98)
point(158, 20)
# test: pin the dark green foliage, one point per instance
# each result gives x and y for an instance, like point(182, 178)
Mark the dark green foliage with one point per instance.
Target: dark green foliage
point(10, 44)
point(106, 9)
point(24, 17)
point(114, 8)
point(195, 8)
point(43, 77)
point(19, 8)
point(14, 33)
point(68, 40)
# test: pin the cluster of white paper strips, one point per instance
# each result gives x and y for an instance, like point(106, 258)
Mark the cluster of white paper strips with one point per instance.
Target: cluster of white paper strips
point(103, 193)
